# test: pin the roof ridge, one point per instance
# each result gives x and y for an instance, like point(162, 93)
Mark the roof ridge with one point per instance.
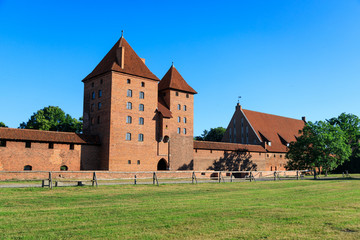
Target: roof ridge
point(272, 115)
point(47, 131)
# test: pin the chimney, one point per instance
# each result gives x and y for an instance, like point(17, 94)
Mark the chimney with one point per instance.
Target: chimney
point(238, 107)
point(143, 59)
point(120, 53)
point(304, 119)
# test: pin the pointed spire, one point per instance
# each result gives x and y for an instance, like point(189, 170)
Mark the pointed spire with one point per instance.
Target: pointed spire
point(122, 33)
point(173, 80)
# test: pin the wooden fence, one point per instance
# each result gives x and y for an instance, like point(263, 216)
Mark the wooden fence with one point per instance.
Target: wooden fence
point(94, 178)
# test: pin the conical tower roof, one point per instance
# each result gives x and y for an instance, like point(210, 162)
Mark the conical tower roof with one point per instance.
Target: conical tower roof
point(133, 64)
point(173, 80)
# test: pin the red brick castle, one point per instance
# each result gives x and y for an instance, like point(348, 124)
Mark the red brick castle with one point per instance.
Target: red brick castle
point(135, 122)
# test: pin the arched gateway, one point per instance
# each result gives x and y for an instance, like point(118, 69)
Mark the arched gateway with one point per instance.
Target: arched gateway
point(162, 165)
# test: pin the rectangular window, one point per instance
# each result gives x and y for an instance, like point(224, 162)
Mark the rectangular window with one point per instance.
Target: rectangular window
point(92, 121)
point(179, 131)
point(184, 107)
point(141, 137)
point(51, 145)
point(98, 119)
point(179, 119)
point(138, 162)
point(28, 144)
point(100, 93)
point(72, 146)
point(129, 161)
point(177, 93)
point(128, 81)
point(128, 119)
point(129, 93)
point(187, 95)
point(179, 107)
point(128, 136)
point(184, 130)
point(141, 121)
point(92, 107)
point(142, 84)
point(128, 105)
point(99, 105)
point(141, 95)
point(93, 95)
point(184, 119)
point(92, 84)
point(141, 107)
point(2, 143)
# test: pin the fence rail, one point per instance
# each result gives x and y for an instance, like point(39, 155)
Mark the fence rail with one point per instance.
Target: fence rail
point(95, 178)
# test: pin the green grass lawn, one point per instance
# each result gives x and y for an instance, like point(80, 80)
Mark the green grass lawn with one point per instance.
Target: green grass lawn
point(328, 209)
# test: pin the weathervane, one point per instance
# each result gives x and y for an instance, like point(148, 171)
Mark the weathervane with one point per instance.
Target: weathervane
point(122, 33)
point(239, 99)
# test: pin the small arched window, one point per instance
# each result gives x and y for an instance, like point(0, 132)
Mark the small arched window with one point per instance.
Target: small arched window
point(141, 107)
point(141, 95)
point(64, 168)
point(141, 137)
point(128, 119)
point(141, 121)
point(129, 93)
point(27, 168)
point(184, 107)
point(128, 105)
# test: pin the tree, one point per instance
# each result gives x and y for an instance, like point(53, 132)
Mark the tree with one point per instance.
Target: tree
point(53, 119)
point(214, 135)
point(321, 146)
point(2, 124)
point(350, 125)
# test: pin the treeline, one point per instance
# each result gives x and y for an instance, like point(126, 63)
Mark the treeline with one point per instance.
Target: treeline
point(52, 118)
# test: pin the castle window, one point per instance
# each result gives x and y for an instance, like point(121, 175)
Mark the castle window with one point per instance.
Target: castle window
point(128, 119)
point(27, 168)
point(141, 137)
point(184, 119)
point(187, 95)
point(184, 107)
point(242, 122)
point(179, 131)
point(128, 105)
point(51, 145)
point(64, 168)
point(142, 84)
point(72, 146)
point(28, 144)
point(177, 93)
point(138, 162)
point(141, 107)
point(128, 136)
point(99, 105)
point(100, 93)
point(179, 107)
point(92, 84)
point(93, 95)
point(280, 157)
point(141, 95)
point(179, 119)
point(101, 81)
point(129, 93)
point(259, 154)
point(128, 81)
point(129, 161)
point(2, 143)
point(92, 107)
point(92, 121)
point(184, 130)
point(98, 119)
point(141, 121)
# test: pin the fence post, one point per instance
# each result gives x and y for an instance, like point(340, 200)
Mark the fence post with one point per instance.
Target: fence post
point(50, 180)
point(314, 173)
point(347, 173)
point(250, 176)
point(275, 176)
point(220, 177)
point(154, 178)
point(94, 181)
point(297, 175)
point(231, 176)
point(135, 179)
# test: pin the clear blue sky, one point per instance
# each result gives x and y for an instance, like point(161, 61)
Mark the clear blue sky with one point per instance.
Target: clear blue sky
point(291, 58)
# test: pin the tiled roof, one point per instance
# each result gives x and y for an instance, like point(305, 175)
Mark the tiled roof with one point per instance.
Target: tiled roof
point(132, 63)
point(227, 146)
point(173, 80)
point(47, 136)
point(273, 128)
point(163, 108)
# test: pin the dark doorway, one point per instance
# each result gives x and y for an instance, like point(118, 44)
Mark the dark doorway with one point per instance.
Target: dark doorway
point(162, 165)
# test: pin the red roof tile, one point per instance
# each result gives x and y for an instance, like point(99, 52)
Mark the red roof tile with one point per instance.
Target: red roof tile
point(46, 136)
point(228, 146)
point(273, 128)
point(173, 80)
point(163, 108)
point(133, 64)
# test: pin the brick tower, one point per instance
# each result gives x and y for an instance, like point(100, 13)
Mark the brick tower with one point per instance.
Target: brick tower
point(120, 102)
point(177, 129)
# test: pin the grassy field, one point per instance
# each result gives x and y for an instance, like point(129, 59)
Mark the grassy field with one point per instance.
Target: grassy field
point(323, 209)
